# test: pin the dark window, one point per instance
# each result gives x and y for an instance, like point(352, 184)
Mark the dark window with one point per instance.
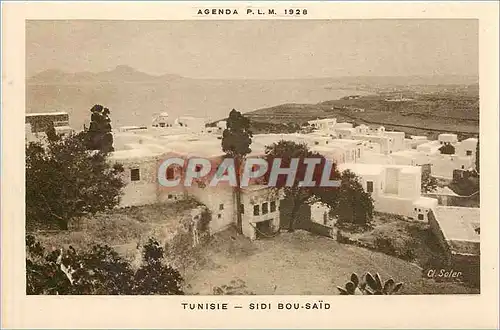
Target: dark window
point(468, 152)
point(265, 208)
point(463, 167)
point(219, 216)
point(162, 124)
point(273, 206)
point(369, 186)
point(256, 210)
point(170, 173)
point(134, 174)
point(420, 217)
point(242, 207)
point(169, 196)
point(221, 207)
point(316, 142)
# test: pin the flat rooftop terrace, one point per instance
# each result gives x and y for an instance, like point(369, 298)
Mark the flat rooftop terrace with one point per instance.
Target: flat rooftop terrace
point(459, 225)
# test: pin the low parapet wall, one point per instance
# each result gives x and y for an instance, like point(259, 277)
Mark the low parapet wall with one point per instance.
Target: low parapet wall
point(456, 200)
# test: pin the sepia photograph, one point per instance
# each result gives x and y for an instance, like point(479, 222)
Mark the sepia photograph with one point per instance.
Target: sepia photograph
point(393, 104)
point(204, 164)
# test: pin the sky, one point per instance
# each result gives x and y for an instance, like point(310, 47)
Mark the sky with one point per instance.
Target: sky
point(257, 49)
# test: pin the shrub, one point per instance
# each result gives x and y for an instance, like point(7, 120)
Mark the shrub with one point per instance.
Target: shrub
point(99, 271)
point(354, 204)
point(394, 242)
point(235, 287)
point(341, 238)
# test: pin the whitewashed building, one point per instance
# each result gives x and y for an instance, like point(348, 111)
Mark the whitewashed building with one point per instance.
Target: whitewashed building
point(323, 124)
point(394, 188)
point(388, 164)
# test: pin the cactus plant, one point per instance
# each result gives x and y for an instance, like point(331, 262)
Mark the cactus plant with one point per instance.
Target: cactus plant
point(372, 285)
point(351, 287)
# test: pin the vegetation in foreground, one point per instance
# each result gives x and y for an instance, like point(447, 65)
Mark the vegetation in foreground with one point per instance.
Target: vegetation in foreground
point(100, 271)
point(372, 285)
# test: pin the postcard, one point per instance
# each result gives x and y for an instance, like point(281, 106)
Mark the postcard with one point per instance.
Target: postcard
point(250, 165)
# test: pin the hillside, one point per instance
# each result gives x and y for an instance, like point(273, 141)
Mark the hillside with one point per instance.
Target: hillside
point(447, 110)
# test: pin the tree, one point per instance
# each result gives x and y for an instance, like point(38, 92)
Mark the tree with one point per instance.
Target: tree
point(354, 205)
point(428, 182)
point(447, 149)
point(236, 140)
point(99, 136)
point(99, 271)
point(300, 195)
point(64, 181)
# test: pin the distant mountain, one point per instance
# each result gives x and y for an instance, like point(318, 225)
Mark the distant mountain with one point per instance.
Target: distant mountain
point(120, 74)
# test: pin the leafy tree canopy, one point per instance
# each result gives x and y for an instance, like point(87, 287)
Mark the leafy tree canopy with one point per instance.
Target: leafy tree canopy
point(237, 137)
point(100, 271)
point(64, 180)
point(354, 204)
point(297, 193)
